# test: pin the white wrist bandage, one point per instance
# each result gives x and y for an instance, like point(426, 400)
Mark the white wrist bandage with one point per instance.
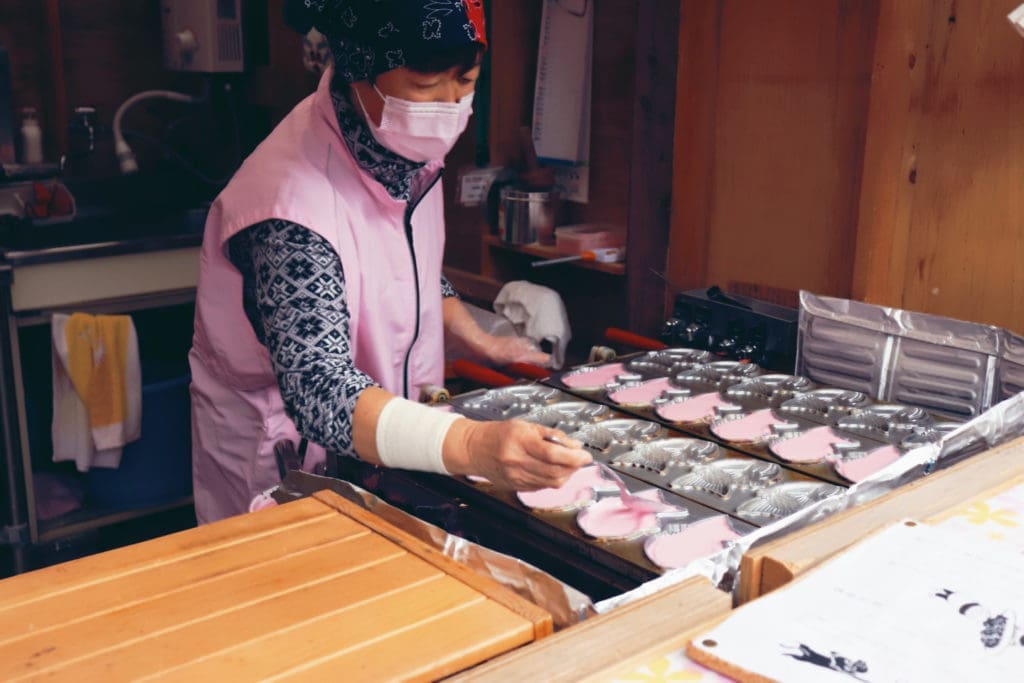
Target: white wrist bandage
point(410, 435)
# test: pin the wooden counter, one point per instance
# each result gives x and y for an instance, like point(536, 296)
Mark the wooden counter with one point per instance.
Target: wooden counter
point(314, 589)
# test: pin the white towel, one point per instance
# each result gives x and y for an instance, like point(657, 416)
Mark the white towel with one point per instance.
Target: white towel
point(97, 389)
point(537, 313)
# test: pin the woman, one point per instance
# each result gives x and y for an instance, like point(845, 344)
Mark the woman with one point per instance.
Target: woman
point(321, 308)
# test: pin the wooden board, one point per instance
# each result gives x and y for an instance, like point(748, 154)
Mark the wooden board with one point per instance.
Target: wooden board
point(769, 566)
point(614, 641)
point(316, 588)
point(770, 123)
point(939, 219)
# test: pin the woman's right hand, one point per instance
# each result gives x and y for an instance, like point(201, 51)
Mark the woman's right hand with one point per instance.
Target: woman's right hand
point(513, 454)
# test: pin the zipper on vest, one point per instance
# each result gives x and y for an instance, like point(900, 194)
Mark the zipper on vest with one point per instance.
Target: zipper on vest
point(409, 209)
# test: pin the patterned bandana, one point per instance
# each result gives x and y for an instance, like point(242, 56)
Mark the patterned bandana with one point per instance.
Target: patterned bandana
point(368, 37)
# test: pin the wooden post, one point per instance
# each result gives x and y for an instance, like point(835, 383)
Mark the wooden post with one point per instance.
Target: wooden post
point(650, 179)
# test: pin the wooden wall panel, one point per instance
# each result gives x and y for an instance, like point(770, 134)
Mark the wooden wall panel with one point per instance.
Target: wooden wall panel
point(768, 176)
point(941, 227)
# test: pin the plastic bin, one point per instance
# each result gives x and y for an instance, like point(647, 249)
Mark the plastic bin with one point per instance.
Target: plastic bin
point(156, 468)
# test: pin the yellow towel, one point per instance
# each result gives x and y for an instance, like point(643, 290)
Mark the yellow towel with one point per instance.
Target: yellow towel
point(97, 388)
point(97, 357)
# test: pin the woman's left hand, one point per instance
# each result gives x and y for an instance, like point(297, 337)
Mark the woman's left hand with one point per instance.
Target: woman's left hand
point(504, 350)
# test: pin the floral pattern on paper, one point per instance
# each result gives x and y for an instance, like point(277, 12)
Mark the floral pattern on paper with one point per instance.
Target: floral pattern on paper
point(675, 667)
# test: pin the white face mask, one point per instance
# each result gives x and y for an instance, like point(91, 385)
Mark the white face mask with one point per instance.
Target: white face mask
point(420, 131)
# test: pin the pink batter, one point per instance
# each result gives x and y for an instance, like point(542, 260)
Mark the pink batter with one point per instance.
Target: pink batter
point(754, 427)
point(697, 540)
point(859, 469)
point(611, 519)
point(814, 445)
point(642, 394)
point(700, 408)
point(575, 493)
point(593, 379)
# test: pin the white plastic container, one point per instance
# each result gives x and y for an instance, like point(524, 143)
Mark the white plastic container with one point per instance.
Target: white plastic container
point(31, 137)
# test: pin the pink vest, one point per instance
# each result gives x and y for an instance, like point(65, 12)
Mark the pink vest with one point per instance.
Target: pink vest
point(304, 173)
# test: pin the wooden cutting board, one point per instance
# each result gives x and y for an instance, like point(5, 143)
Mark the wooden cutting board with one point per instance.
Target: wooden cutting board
point(317, 589)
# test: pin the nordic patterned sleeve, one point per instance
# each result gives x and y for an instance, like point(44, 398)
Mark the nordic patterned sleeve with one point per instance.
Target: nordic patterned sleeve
point(447, 291)
point(294, 296)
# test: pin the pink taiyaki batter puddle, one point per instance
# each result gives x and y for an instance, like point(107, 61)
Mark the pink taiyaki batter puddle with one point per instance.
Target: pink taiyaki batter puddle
point(611, 519)
point(814, 445)
point(593, 379)
point(754, 427)
point(859, 469)
point(642, 394)
point(697, 409)
point(576, 492)
point(697, 540)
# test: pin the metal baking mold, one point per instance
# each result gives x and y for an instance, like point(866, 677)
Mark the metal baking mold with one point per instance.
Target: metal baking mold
point(888, 422)
point(658, 455)
point(817, 444)
point(601, 436)
point(505, 402)
point(768, 389)
point(601, 375)
point(722, 477)
point(928, 434)
point(782, 500)
point(667, 361)
point(568, 416)
point(718, 372)
point(824, 404)
point(643, 523)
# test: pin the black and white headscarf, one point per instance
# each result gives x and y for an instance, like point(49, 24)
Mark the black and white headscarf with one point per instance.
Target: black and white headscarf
point(369, 37)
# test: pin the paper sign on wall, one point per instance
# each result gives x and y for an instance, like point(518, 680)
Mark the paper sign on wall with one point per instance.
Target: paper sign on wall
point(562, 95)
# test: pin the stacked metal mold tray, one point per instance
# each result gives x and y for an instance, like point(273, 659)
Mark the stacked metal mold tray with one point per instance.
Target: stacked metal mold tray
point(701, 493)
point(835, 435)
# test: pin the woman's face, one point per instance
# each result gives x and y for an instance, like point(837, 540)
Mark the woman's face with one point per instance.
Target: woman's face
point(447, 86)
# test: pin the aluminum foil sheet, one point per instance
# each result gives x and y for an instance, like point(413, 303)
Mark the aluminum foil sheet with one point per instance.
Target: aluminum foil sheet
point(567, 605)
point(949, 366)
point(996, 426)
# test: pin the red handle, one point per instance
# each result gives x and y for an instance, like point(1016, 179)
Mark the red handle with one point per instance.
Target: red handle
point(527, 370)
point(478, 373)
point(615, 335)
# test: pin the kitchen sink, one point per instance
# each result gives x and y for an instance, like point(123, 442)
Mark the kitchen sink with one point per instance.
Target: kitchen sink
point(122, 209)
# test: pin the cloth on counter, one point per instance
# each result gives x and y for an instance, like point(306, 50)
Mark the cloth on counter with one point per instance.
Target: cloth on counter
point(537, 313)
point(97, 388)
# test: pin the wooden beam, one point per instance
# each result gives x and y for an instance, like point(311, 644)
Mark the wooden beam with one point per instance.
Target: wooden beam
point(903, 46)
point(700, 25)
point(58, 88)
point(650, 179)
point(629, 635)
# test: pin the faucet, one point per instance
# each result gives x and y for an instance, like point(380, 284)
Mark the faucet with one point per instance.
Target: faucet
point(125, 156)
